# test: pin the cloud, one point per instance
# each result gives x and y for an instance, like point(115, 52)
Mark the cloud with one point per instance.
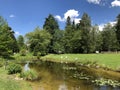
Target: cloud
point(59, 18)
point(115, 3)
point(12, 16)
point(73, 14)
point(17, 33)
point(113, 23)
point(101, 26)
point(94, 1)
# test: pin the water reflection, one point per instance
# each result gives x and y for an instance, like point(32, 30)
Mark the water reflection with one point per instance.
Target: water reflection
point(63, 87)
point(26, 67)
point(54, 77)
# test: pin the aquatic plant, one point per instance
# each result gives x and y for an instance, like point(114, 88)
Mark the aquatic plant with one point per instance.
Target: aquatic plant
point(29, 75)
point(103, 82)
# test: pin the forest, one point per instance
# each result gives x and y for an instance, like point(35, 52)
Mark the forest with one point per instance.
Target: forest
point(82, 37)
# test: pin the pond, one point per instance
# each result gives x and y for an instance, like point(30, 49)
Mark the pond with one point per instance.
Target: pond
point(54, 76)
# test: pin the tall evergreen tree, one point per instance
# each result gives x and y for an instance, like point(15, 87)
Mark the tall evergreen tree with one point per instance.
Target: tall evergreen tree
point(14, 46)
point(69, 32)
point(85, 27)
point(51, 25)
point(8, 44)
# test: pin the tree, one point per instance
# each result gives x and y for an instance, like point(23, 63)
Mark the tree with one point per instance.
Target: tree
point(69, 32)
point(38, 41)
point(95, 39)
point(118, 29)
point(20, 41)
point(109, 38)
point(76, 42)
point(14, 46)
point(51, 25)
point(58, 45)
point(8, 44)
point(85, 27)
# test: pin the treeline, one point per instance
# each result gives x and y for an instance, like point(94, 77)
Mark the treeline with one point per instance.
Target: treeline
point(75, 38)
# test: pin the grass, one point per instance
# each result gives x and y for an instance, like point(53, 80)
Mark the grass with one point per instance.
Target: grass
point(29, 57)
point(110, 60)
point(7, 82)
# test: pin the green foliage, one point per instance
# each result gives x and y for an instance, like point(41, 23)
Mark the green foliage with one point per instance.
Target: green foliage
point(109, 38)
point(20, 42)
point(23, 52)
point(85, 27)
point(14, 68)
point(8, 44)
point(38, 41)
point(38, 55)
point(69, 32)
point(118, 29)
point(51, 24)
point(29, 75)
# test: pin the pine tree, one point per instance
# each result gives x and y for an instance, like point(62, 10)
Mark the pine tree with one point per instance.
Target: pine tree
point(69, 32)
point(8, 44)
point(85, 27)
point(51, 25)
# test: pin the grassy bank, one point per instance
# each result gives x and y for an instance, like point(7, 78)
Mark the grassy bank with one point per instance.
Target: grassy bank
point(110, 60)
point(8, 82)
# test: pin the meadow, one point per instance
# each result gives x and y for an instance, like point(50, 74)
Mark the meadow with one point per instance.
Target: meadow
point(8, 82)
point(109, 60)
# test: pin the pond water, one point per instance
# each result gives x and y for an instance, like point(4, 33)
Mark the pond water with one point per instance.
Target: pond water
point(54, 77)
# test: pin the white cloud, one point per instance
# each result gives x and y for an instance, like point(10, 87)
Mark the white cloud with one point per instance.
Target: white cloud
point(94, 1)
point(12, 16)
point(115, 3)
point(101, 26)
point(59, 18)
point(77, 20)
point(73, 14)
point(113, 23)
point(17, 33)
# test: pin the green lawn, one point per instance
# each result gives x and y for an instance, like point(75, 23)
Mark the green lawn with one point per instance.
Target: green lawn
point(7, 82)
point(111, 60)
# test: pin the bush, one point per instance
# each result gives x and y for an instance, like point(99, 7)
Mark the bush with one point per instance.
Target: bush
point(38, 55)
point(43, 53)
point(23, 52)
point(14, 68)
point(29, 75)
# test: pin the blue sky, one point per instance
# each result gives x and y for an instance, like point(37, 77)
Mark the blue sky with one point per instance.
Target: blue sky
point(24, 15)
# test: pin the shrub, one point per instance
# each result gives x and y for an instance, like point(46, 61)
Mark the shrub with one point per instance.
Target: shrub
point(23, 52)
point(14, 68)
point(29, 75)
point(38, 55)
point(43, 53)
